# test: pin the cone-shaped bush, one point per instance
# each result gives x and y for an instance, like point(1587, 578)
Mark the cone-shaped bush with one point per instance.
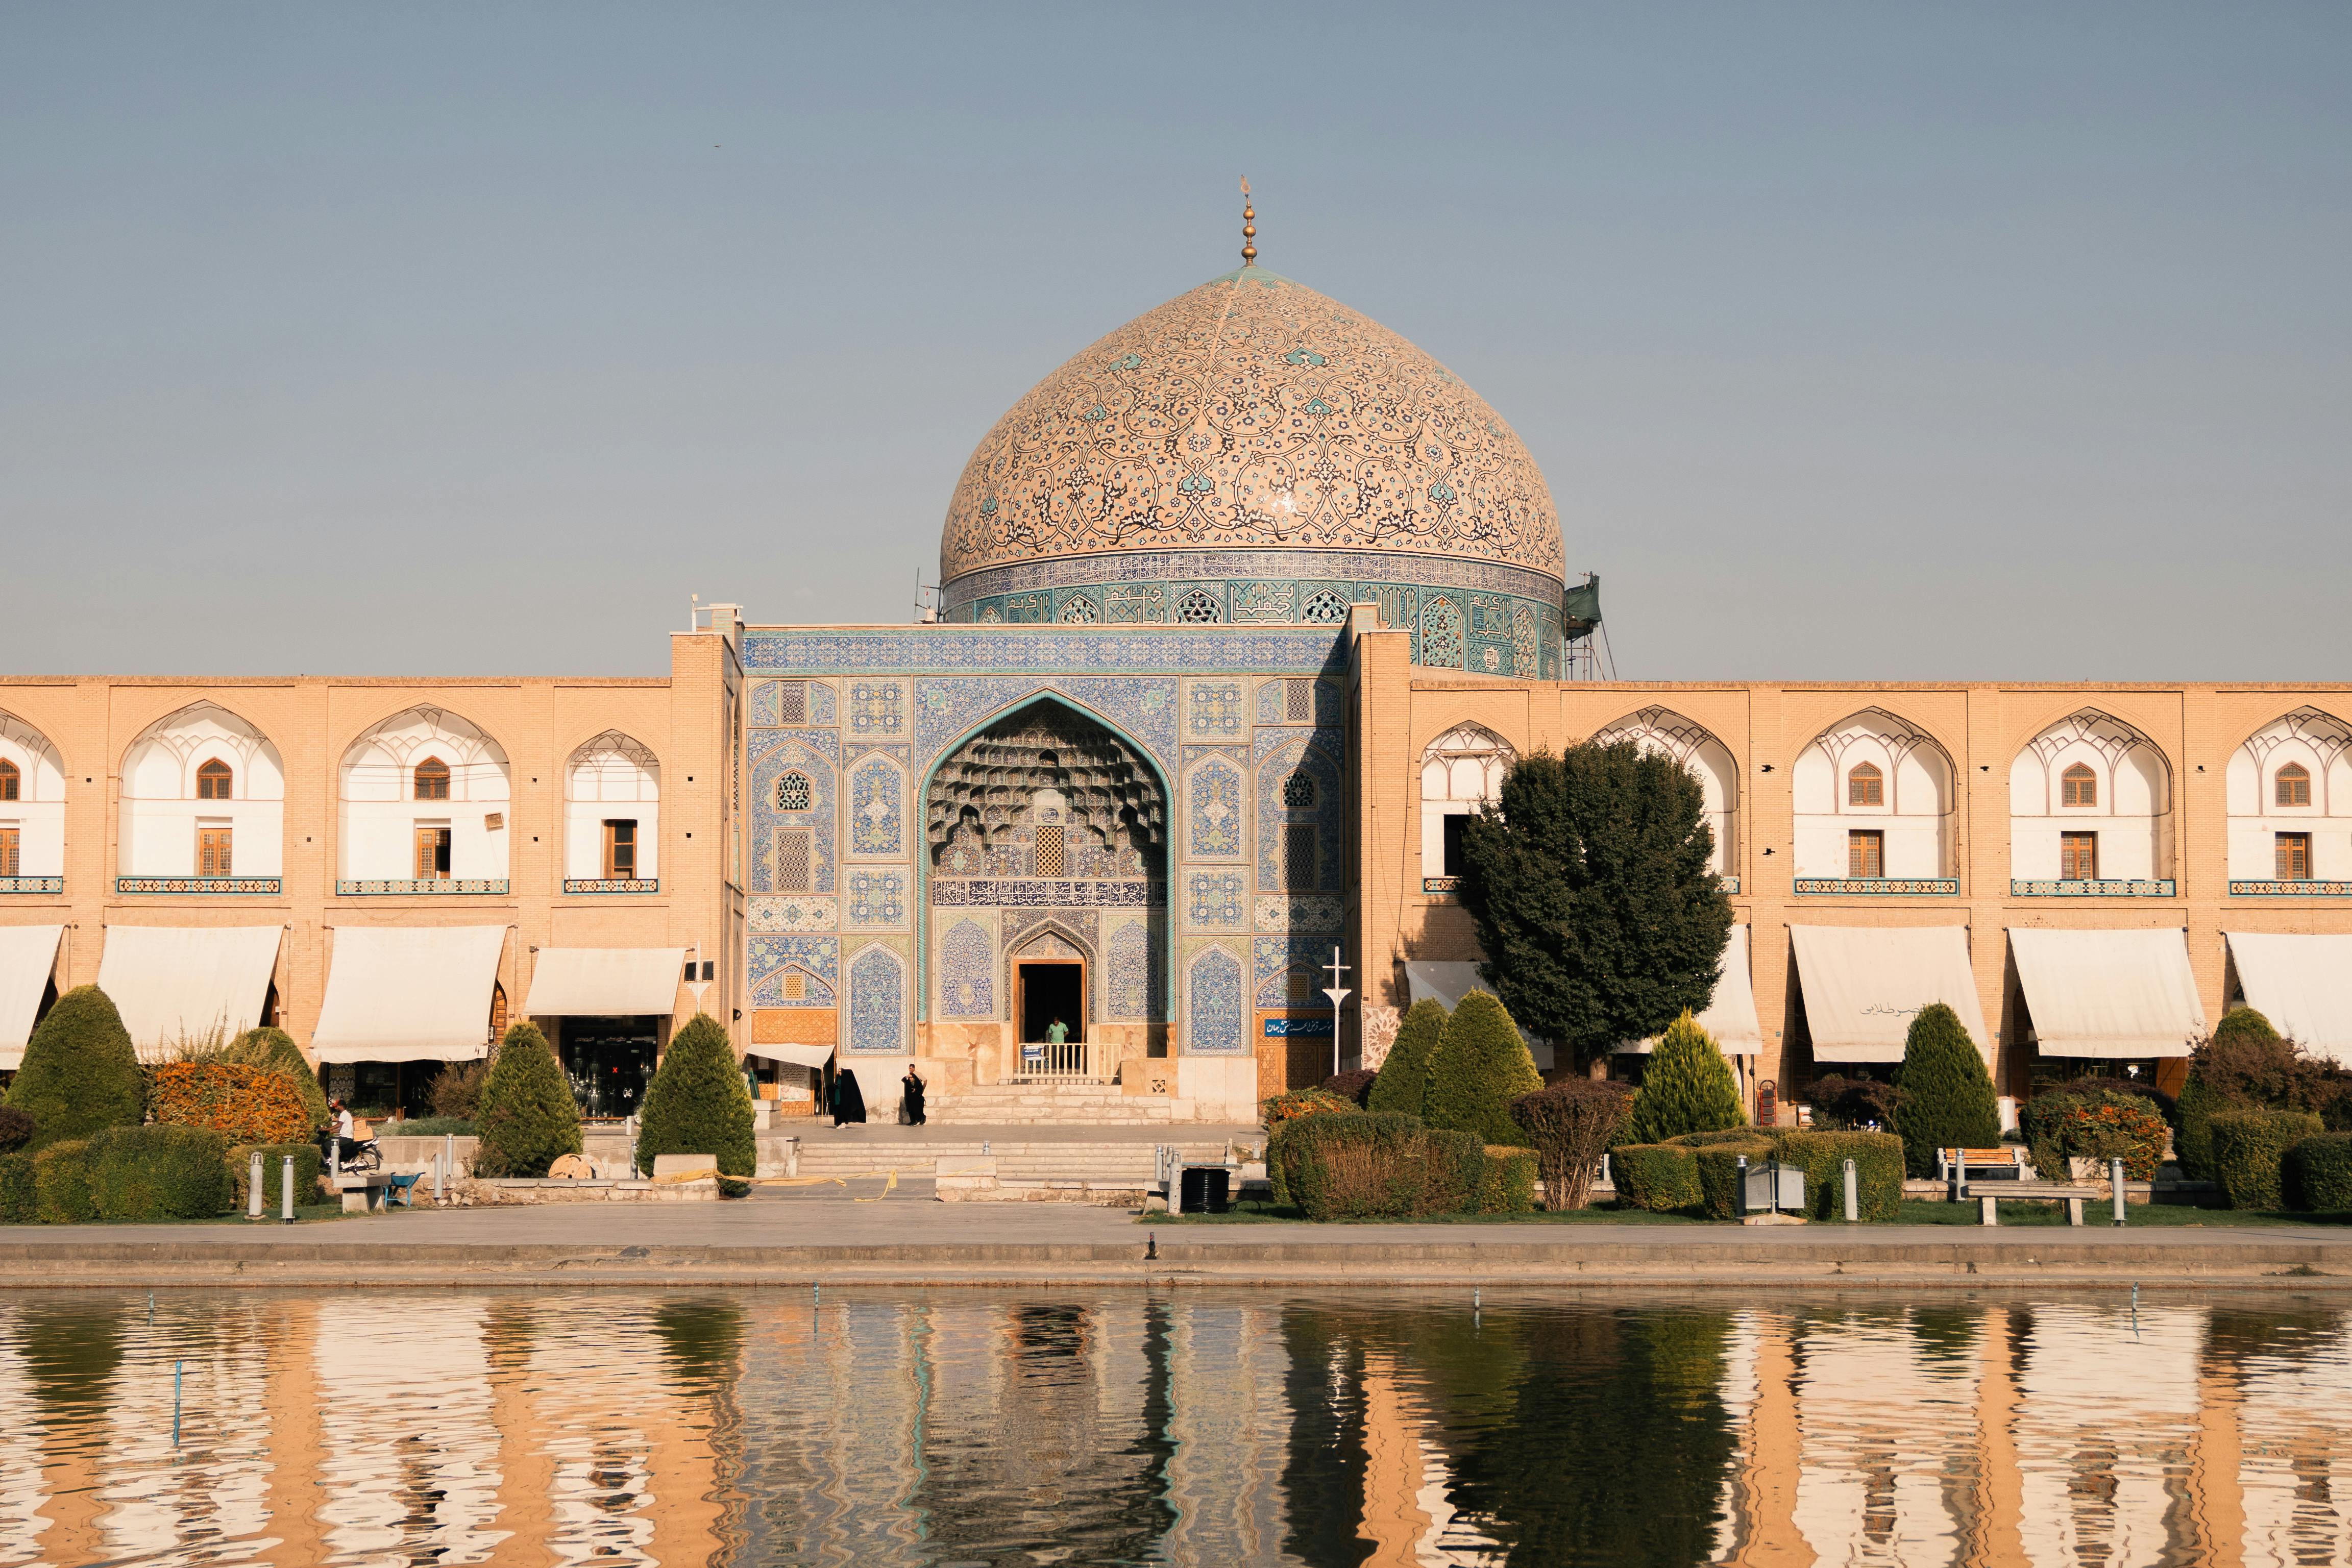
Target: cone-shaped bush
point(1481, 1066)
point(2244, 1063)
point(1949, 1100)
point(1403, 1083)
point(80, 1074)
point(697, 1104)
point(272, 1047)
point(528, 1117)
point(1686, 1087)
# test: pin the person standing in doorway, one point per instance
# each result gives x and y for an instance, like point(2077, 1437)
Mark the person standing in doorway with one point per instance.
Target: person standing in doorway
point(1057, 1033)
point(913, 1099)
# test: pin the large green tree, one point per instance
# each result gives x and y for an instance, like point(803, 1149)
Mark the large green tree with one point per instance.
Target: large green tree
point(1589, 887)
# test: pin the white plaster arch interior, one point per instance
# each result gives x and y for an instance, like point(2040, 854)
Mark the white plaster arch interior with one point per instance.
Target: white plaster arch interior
point(1461, 771)
point(2090, 774)
point(2292, 779)
point(1874, 773)
point(203, 793)
point(1670, 734)
point(32, 802)
point(612, 803)
point(391, 799)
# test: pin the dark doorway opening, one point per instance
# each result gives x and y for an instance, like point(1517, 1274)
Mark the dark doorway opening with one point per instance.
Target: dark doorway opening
point(610, 1062)
point(1051, 990)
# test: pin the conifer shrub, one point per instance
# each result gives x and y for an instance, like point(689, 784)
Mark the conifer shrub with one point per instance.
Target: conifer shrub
point(1877, 1170)
point(15, 1130)
point(529, 1117)
point(61, 1184)
point(1719, 1170)
point(1481, 1065)
point(697, 1104)
point(307, 1168)
point(159, 1172)
point(1402, 1086)
point(1660, 1177)
point(272, 1047)
point(80, 1074)
point(2318, 1174)
point(244, 1104)
point(19, 1199)
point(1687, 1087)
point(1571, 1125)
point(1947, 1095)
point(2250, 1152)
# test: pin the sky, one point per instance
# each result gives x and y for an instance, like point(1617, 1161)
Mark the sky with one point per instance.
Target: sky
point(1855, 342)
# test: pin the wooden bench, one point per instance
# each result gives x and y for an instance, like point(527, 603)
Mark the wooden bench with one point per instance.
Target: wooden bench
point(1992, 1197)
point(365, 1194)
point(2008, 1159)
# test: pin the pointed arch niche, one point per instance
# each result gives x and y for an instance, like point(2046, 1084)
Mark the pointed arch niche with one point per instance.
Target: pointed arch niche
point(32, 810)
point(204, 806)
point(423, 807)
point(2290, 799)
point(2090, 812)
point(1875, 802)
point(1689, 743)
point(1461, 771)
point(612, 817)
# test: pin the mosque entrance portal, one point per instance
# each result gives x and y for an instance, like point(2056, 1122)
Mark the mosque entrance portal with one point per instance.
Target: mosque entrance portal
point(1052, 991)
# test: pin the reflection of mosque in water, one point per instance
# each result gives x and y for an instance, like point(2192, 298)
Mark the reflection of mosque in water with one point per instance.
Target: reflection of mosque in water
point(1195, 1428)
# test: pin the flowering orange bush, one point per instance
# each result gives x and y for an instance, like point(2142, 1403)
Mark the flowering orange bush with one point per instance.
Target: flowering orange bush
point(252, 1105)
point(1301, 1102)
point(2096, 1126)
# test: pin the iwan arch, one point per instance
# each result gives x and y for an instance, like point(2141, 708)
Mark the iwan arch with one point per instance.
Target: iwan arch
point(1242, 610)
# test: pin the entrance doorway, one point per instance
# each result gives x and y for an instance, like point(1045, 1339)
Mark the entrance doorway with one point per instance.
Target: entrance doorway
point(610, 1062)
point(1051, 990)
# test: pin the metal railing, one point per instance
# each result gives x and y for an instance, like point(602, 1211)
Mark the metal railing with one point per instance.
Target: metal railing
point(1072, 1061)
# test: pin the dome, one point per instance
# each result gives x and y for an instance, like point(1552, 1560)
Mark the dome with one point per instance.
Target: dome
point(1253, 450)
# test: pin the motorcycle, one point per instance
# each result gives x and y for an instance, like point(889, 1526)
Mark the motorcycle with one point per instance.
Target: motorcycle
point(360, 1155)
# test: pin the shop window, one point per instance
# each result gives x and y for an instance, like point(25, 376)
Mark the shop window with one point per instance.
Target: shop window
point(2293, 785)
point(214, 780)
point(432, 854)
point(1866, 854)
point(2293, 852)
point(2078, 856)
point(431, 779)
point(621, 850)
point(1865, 785)
point(2078, 785)
point(212, 851)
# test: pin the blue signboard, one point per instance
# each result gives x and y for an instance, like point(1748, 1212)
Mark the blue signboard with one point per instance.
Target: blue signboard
point(1296, 1028)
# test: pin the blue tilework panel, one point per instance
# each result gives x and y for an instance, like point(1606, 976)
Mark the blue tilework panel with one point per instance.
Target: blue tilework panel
point(1212, 809)
point(877, 898)
point(1214, 1005)
point(1215, 710)
point(1274, 957)
point(1134, 982)
point(1281, 754)
point(877, 708)
point(1216, 901)
point(956, 892)
point(947, 709)
point(1027, 651)
point(1274, 703)
point(877, 1002)
point(778, 753)
point(817, 958)
point(967, 972)
point(877, 813)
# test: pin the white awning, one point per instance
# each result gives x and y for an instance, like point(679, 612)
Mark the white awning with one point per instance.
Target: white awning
point(29, 957)
point(1730, 1015)
point(1447, 983)
point(1864, 985)
point(409, 993)
point(2302, 984)
point(2108, 994)
point(173, 980)
point(799, 1055)
point(604, 981)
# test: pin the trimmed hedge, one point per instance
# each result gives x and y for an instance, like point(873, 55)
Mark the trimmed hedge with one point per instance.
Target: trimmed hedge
point(20, 1200)
point(1718, 1173)
point(2248, 1147)
point(697, 1104)
point(1402, 1086)
point(16, 1129)
point(80, 1074)
point(307, 1166)
point(244, 1104)
point(159, 1172)
point(1481, 1066)
point(1878, 1170)
point(2074, 1123)
point(61, 1184)
point(1660, 1177)
point(1949, 1100)
point(1686, 1086)
point(1510, 1183)
point(529, 1117)
point(1453, 1171)
point(2318, 1173)
point(1365, 1166)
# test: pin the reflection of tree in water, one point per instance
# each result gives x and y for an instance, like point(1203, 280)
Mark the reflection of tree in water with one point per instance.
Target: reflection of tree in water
point(1576, 1435)
point(701, 1341)
point(70, 1354)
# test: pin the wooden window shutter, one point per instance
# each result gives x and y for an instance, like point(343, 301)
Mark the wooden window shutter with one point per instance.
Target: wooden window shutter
point(1866, 854)
point(498, 1010)
point(2078, 856)
point(1865, 785)
point(213, 858)
point(215, 780)
point(11, 782)
point(8, 857)
point(2293, 785)
point(620, 849)
point(2078, 785)
point(1299, 859)
point(432, 854)
point(431, 779)
point(2294, 857)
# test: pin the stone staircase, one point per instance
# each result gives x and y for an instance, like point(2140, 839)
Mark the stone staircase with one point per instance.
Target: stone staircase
point(1050, 1104)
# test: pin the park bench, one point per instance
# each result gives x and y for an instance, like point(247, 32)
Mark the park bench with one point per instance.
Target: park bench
point(366, 1192)
point(1992, 1197)
point(2005, 1162)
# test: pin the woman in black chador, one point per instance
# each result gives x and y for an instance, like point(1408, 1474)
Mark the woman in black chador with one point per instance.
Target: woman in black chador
point(914, 1096)
point(850, 1105)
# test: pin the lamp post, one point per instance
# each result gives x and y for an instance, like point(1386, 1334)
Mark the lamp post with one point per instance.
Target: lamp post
point(1339, 995)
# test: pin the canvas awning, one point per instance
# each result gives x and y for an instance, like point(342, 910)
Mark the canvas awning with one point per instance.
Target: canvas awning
point(800, 1056)
point(2108, 994)
point(604, 981)
point(173, 980)
point(409, 993)
point(1864, 985)
point(1730, 1015)
point(29, 955)
point(2302, 984)
point(1447, 983)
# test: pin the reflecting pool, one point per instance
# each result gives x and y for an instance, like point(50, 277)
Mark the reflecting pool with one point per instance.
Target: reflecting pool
point(965, 1427)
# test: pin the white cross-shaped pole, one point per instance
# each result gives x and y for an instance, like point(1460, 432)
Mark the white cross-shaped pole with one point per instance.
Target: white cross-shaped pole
point(1339, 995)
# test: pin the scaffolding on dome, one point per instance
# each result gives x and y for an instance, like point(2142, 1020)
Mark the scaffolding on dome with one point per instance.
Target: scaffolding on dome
point(1586, 656)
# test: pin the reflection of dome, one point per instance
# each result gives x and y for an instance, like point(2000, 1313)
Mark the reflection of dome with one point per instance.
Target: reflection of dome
point(1254, 451)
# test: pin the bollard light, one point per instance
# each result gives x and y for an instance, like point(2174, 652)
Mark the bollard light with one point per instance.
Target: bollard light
point(2115, 1185)
point(286, 1191)
point(253, 1193)
point(1853, 1194)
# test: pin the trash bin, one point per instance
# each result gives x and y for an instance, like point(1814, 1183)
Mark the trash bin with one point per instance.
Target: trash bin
point(1204, 1189)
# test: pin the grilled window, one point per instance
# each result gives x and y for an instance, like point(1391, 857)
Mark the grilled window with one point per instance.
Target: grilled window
point(1299, 859)
point(1198, 608)
point(432, 854)
point(12, 782)
point(793, 860)
point(1050, 847)
point(2293, 785)
point(1298, 791)
point(431, 779)
point(2078, 785)
point(1866, 854)
point(2294, 857)
point(794, 792)
point(2078, 856)
point(1298, 702)
point(9, 857)
point(792, 702)
point(621, 850)
point(213, 780)
point(795, 986)
point(1865, 785)
point(212, 851)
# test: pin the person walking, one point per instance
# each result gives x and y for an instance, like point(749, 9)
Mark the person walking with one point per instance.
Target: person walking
point(913, 1098)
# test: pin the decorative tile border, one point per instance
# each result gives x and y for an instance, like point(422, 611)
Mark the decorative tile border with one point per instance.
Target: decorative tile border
point(1037, 651)
point(196, 884)
point(32, 885)
point(612, 884)
point(409, 887)
point(950, 893)
point(1730, 885)
point(2275, 889)
point(1443, 887)
point(2152, 888)
point(1880, 887)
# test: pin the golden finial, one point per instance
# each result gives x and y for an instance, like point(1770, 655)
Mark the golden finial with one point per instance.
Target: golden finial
point(1249, 228)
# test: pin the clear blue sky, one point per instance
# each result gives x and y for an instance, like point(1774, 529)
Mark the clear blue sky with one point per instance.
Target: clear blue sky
point(1857, 341)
